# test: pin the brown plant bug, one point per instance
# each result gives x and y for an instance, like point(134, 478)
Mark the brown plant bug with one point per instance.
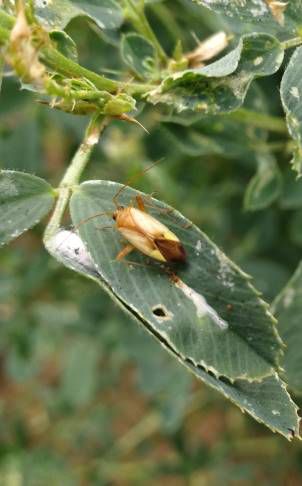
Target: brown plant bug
point(144, 232)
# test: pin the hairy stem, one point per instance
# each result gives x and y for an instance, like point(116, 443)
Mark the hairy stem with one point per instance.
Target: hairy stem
point(73, 174)
point(294, 42)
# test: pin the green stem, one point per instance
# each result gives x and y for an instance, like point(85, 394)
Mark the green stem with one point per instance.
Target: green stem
point(61, 64)
point(167, 18)
point(73, 174)
point(294, 42)
point(259, 120)
point(67, 67)
point(136, 15)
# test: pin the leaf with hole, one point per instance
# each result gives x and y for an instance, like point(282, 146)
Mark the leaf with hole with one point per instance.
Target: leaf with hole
point(222, 85)
point(211, 316)
point(24, 200)
point(267, 401)
point(107, 14)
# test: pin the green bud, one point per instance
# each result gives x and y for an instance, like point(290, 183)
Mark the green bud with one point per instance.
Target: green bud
point(119, 104)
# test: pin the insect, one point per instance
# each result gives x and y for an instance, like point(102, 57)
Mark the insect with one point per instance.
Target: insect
point(144, 232)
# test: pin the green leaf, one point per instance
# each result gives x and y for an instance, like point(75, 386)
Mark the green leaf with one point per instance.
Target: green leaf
point(24, 200)
point(229, 136)
point(25, 156)
point(267, 401)
point(79, 378)
point(222, 85)
point(107, 14)
point(288, 309)
point(291, 96)
point(295, 228)
point(292, 191)
point(214, 318)
point(64, 44)
point(283, 17)
point(139, 54)
point(265, 186)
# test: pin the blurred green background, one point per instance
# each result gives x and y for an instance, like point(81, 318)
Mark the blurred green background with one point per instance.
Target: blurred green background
point(86, 396)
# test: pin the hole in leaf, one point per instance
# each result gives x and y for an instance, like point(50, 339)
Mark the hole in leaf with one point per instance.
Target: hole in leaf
point(161, 313)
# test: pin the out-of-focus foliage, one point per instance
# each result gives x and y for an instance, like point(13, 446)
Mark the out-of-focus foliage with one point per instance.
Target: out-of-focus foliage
point(86, 396)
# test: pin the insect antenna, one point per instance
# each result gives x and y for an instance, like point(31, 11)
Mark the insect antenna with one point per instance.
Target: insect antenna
point(75, 228)
point(103, 213)
point(132, 179)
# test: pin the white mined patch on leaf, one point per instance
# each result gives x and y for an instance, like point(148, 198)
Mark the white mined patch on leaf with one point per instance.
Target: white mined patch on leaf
point(202, 307)
point(42, 3)
point(258, 9)
point(225, 273)
point(198, 247)
point(276, 412)
point(8, 187)
point(258, 60)
point(294, 91)
point(67, 247)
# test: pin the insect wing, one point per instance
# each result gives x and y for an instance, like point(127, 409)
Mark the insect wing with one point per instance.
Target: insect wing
point(173, 251)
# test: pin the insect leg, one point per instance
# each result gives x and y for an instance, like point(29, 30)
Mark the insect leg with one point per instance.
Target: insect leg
point(124, 252)
point(140, 203)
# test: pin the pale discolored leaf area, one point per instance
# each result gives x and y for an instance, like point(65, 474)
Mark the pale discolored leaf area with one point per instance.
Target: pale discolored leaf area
point(291, 96)
point(221, 86)
point(288, 308)
point(24, 200)
point(213, 317)
point(107, 14)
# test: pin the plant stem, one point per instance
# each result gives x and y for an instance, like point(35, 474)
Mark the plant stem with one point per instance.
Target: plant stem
point(73, 174)
point(136, 15)
point(61, 64)
point(57, 61)
point(294, 42)
point(167, 18)
point(259, 120)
